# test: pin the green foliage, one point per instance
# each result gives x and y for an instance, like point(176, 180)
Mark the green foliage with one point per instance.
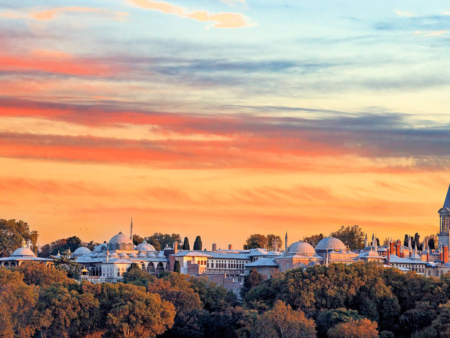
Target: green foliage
point(186, 245)
point(69, 266)
point(161, 241)
point(198, 243)
point(282, 322)
point(250, 281)
point(176, 267)
point(256, 241)
point(386, 334)
point(432, 244)
point(353, 236)
point(137, 239)
point(61, 245)
point(328, 319)
point(12, 234)
point(136, 276)
point(313, 240)
point(271, 239)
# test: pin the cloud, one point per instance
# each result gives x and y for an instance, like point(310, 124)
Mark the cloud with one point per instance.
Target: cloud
point(221, 20)
point(406, 14)
point(435, 33)
point(51, 14)
point(232, 2)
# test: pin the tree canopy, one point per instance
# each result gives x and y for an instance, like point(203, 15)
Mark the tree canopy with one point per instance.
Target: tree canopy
point(12, 235)
point(161, 241)
point(198, 243)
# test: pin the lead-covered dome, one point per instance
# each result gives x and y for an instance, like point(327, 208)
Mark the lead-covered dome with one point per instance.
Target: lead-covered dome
point(120, 238)
point(330, 244)
point(300, 248)
point(23, 252)
point(81, 251)
point(144, 246)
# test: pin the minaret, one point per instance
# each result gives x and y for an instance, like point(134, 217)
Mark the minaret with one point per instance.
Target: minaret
point(365, 242)
point(286, 242)
point(131, 229)
point(373, 239)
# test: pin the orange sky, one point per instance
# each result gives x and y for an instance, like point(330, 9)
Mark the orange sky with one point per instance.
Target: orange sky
point(199, 121)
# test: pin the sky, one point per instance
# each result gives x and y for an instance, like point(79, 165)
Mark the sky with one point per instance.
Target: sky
point(224, 118)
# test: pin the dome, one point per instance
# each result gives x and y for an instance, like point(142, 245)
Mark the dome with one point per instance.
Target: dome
point(300, 248)
point(151, 255)
point(123, 255)
point(132, 255)
point(81, 251)
point(114, 255)
point(331, 243)
point(120, 238)
point(23, 252)
point(161, 255)
point(142, 255)
point(144, 246)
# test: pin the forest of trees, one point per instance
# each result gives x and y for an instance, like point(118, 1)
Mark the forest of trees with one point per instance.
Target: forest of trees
point(361, 300)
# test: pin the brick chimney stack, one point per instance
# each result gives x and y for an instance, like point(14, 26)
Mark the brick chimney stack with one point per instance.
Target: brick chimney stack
point(214, 247)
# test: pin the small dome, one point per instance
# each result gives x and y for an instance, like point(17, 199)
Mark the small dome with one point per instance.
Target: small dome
point(151, 255)
point(161, 255)
point(120, 238)
point(123, 255)
point(81, 251)
point(300, 248)
point(23, 252)
point(331, 243)
point(114, 255)
point(144, 246)
point(416, 257)
point(132, 255)
point(142, 255)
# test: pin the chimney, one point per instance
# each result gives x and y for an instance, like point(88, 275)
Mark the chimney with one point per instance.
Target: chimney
point(214, 247)
point(392, 247)
point(445, 254)
point(175, 247)
point(398, 248)
point(388, 256)
point(230, 246)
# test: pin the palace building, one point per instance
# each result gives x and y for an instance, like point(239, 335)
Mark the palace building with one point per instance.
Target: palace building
point(110, 260)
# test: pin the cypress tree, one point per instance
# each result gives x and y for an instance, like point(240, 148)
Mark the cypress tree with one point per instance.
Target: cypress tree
point(186, 245)
point(176, 268)
point(198, 243)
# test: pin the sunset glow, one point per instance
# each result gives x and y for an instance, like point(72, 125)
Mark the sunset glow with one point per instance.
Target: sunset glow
point(224, 118)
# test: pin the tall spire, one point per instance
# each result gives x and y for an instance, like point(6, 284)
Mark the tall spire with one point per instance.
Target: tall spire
point(373, 239)
point(286, 242)
point(447, 199)
point(376, 245)
point(131, 229)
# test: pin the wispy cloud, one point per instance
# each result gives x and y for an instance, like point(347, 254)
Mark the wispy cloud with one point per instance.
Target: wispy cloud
point(232, 2)
point(406, 14)
point(433, 33)
point(51, 14)
point(220, 20)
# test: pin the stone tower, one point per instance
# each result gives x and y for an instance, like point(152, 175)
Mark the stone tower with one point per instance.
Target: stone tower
point(444, 222)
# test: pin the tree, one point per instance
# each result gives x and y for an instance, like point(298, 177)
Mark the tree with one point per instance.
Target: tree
point(136, 276)
point(418, 318)
point(271, 239)
point(12, 235)
point(313, 240)
point(38, 274)
point(431, 244)
point(18, 314)
point(440, 326)
point(186, 245)
point(69, 266)
point(161, 241)
point(353, 236)
point(282, 322)
point(198, 243)
point(213, 297)
point(256, 241)
point(176, 267)
point(417, 241)
point(250, 281)
point(61, 245)
point(405, 242)
point(362, 328)
point(137, 239)
point(328, 319)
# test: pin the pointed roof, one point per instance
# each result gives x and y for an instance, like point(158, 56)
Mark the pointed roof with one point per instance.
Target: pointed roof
point(447, 199)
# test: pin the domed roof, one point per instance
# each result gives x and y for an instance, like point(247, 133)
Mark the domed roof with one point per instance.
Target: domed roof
point(120, 238)
point(331, 243)
point(142, 255)
point(81, 251)
point(144, 246)
point(151, 255)
point(132, 255)
point(123, 255)
point(23, 252)
point(161, 255)
point(300, 248)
